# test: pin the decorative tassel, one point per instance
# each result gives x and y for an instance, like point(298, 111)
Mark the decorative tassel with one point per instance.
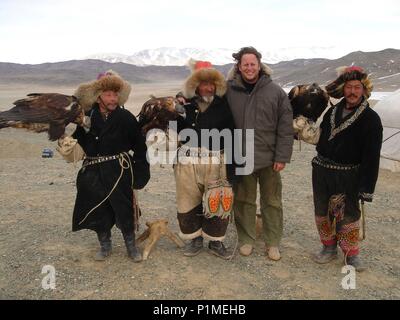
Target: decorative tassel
point(333, 227)
point(336, 210)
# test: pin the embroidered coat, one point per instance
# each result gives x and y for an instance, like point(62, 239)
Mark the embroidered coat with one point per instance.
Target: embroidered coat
point(353, 140)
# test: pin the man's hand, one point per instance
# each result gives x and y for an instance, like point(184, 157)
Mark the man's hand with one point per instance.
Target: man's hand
point(279, 166)
point(365, 197)
point(181, 100)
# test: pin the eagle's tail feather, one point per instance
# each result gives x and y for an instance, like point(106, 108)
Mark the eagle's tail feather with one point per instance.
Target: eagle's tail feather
point(3, 123)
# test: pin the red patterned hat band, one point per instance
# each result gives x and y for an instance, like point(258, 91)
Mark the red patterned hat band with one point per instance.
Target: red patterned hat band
point(354, 68)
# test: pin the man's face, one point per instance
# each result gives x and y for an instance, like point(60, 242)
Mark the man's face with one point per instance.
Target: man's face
point(353, 92)
point(206, 89)
point(249, 67)
point(108, 100)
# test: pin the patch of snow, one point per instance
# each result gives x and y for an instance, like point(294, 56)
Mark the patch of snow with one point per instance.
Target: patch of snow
point(392, 75)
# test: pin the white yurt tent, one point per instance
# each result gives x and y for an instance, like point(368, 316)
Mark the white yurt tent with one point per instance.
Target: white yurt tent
point(389, 111)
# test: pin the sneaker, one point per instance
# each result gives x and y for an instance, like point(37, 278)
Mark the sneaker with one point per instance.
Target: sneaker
point(326, 255)
point(246, 250)
point(218, 249)
point(273, 253)
point(356, 262)
point(194, 247)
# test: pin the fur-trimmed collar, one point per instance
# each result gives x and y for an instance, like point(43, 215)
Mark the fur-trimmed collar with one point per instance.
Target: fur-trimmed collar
point(347, 121)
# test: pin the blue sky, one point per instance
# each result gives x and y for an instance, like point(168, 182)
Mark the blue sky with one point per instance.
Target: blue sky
point(53, 30)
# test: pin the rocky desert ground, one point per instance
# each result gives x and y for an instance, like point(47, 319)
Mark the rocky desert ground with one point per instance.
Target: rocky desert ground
point(36, 201)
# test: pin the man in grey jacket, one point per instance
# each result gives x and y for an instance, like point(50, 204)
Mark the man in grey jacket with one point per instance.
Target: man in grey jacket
point(259, 104)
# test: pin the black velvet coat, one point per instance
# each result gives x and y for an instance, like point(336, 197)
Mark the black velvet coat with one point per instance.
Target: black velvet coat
point(217, 116)
point(119, 133)
point(355, 139)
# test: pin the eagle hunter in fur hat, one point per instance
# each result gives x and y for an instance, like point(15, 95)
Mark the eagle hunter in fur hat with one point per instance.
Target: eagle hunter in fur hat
point(335, 88)
point(88, 93)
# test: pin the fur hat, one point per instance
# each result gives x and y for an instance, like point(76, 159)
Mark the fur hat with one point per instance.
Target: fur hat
point(87, 93)
point(203, 71)
point(335, 88)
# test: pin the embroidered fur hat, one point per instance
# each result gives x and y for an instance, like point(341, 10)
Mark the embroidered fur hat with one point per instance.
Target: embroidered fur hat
point(87, 93)
point(335, 88)
point(203, 71)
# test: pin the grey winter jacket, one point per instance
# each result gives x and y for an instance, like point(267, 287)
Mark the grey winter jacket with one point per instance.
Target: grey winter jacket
point(267, 110)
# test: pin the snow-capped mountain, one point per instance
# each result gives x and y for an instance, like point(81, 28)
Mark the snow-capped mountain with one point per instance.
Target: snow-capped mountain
point(168, 56)
point(383, 66)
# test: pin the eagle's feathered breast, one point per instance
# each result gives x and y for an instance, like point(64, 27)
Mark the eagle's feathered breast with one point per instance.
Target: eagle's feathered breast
point(157, 112)
point(309, 101)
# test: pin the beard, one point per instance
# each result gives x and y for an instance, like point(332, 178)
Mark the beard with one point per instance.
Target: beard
point(207, 100)
point(111, 107)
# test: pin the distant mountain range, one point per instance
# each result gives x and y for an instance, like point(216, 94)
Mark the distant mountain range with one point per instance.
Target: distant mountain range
point(384, 67)
point(169, 56)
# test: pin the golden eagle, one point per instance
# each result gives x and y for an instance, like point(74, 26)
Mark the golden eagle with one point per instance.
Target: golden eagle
point(41, 112)
point(308, 100)
point(157, 112)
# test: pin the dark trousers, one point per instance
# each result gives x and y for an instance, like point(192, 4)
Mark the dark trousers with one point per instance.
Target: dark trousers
point(336, 206)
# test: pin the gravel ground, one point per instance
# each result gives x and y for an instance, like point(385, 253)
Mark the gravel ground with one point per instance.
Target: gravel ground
point(36, 201)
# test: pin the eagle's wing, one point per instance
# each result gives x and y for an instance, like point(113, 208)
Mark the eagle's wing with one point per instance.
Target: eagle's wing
point(39, 108)
point(42, 112)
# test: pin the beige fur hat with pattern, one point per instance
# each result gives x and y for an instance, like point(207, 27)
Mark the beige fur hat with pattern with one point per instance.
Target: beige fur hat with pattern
point(203, 71)
point(88, 93)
